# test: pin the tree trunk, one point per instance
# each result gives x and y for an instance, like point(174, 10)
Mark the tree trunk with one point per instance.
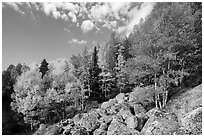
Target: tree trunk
point(160, 105)
point(156, 101)
point(155, 88)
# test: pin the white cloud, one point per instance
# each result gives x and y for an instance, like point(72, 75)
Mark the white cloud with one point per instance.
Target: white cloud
point(99, 12)
point(135, 15)
point(77, 42)
point(14, 6)
point(92, 15)
point(73, 16)
point(87, 25)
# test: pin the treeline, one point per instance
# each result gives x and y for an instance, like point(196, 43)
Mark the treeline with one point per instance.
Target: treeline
point(164, 50)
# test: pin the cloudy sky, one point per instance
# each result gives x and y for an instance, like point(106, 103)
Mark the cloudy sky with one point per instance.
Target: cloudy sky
point(33, 31)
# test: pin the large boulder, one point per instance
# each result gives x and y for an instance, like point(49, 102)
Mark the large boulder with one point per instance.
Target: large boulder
point(161, 123)
point(77, 118)
point(151, 112)
point(112, 101)
point(100, 132)
point(53, 130)
point(117, 127)
point(193, 122)
point(68, 122)
point(125, 110)
point(90, 121)
point(120, 97)
point(41, 130)
point(67, 130)
point(138, 108)
point(125, 113)
point(136, 122)
point(105, 105)
point(106, 119)
point(132, 122)
point(78, 130)
point(183, 104)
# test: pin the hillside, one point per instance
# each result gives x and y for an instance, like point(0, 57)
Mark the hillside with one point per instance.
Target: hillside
point(127, 115)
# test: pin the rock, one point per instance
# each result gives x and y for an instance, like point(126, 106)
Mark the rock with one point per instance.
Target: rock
point(104, 126)
point(90, 121)
point(161, 123)
point(120, 97)
point(119, 128)
point(113, 110)
point(53, 130)
point(105, 119)
point(193, 122)
point(132, 122)
point(67, 130)
point(41, 130)
point(125, 113)
point(151, 112)
point(77, 130)
point(105, 105)
point(68, 122)
point(101, 112)
point(138, 109)
point(112, 102)
point(188, 101)
point(100, 132)
point(77, 118)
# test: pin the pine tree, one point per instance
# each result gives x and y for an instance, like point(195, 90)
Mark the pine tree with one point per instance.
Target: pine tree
point(94, 74)
point(44, 67)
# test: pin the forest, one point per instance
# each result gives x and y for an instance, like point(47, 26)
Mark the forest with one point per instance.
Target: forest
point(163, 51)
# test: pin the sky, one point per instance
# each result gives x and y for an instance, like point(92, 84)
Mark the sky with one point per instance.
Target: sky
point(34, 31)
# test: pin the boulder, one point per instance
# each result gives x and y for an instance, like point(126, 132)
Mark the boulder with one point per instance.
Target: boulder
point(67, 130)
point(41, 130)
point(132, 122)
point(78, 130)
point(106, 119)
point(112, 110)
point(100, 132)
point(161, 123)
point(124, 112)
point(138, 108)
point(120, 97)
point(53, 130)
point(185, 103)
point(101, 112)
point(151, 112)
point(117, 127)
point(90, 121)
point(112, 102)
point(105, 105)
point(68, 122)
point(77, 118)
point(193, 122)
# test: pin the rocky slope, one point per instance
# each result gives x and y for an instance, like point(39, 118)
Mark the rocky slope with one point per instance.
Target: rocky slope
point(129, 114)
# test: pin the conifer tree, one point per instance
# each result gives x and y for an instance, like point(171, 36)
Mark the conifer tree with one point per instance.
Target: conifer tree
point(94, 74)
point(44, 67)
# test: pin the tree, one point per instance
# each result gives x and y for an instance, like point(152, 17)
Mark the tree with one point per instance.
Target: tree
point(120, 67)
point(44, 67)
point(94, 74)
point(162, 46)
